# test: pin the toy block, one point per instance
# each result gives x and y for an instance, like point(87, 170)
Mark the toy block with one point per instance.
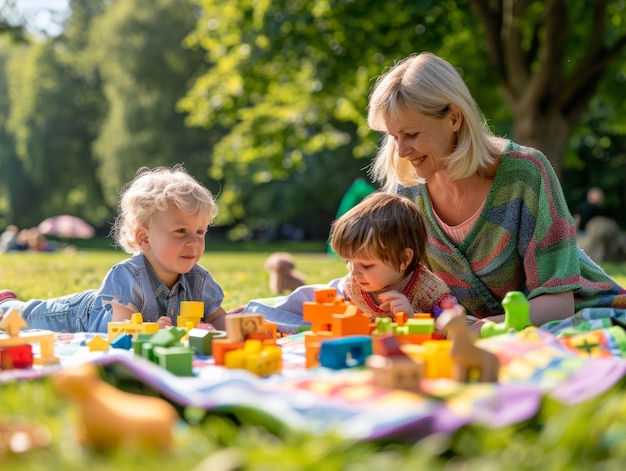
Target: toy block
point(413, 338)
point(98, 344)
point(177, 360)
point(12, 322)
point(384, 325)
point(345, 352)
point(190, 311)
point(201, 340)
point(255, 357)
point(312, 342)
point(134, 326)
point(123, 341)
point(165, 337)
point(18, 357)
point(325, 295)
point(266, 362)
point(420, 325)
point(395, 372)
point(319, 313)
point(221, 346)
point(401, 318)
point(239, 326)
point(139, 340)
point(516, 316)
point(469, 362)
point(147, 352)
point(352, 322)
point(436, 358)
point(237, 358)
point(272, 328)
point(386, 345)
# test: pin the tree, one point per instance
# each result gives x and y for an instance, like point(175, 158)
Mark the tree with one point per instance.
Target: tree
point(138, 47)
point(55, 104)
point(290, 79)
point(551, 57)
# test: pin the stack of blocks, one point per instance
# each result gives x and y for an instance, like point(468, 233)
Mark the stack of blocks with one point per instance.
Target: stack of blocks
point(15, 346)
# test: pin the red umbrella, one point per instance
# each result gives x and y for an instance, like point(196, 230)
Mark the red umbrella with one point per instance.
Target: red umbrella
point(66, 226)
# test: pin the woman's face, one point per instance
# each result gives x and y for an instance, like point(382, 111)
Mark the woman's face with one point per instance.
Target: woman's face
point(424, 140)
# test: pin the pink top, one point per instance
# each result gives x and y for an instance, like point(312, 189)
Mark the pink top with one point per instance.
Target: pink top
point(457, 233)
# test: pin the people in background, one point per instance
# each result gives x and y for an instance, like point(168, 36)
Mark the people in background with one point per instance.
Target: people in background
point(589, 208)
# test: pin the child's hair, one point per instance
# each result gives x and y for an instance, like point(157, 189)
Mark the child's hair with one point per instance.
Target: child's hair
point(155, 190)
point(381, 227)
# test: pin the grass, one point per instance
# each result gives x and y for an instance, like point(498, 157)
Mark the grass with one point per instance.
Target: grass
point(589, 436)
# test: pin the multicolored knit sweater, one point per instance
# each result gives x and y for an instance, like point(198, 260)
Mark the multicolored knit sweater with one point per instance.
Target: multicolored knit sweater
point(524, 240)
point(425, 292)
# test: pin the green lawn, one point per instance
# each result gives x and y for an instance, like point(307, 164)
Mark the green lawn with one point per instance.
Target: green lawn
point(589, 436)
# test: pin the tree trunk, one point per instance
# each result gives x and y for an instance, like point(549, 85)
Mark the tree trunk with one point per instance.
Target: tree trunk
point(548, 132)
point(529, 54)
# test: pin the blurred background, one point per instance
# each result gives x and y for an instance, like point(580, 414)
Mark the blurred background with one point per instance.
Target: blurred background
point(265, 101)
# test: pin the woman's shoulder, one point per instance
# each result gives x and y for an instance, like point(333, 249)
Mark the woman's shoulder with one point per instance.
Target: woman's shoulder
point(518, 154)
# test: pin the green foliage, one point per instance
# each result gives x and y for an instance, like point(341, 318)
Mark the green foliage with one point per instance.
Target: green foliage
point(265, 101)
point(137, 45)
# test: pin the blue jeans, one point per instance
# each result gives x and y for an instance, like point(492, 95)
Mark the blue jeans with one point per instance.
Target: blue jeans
point(68, 313)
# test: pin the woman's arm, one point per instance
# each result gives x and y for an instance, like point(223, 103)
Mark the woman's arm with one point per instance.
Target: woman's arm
point(551, 307)
point(543, 309)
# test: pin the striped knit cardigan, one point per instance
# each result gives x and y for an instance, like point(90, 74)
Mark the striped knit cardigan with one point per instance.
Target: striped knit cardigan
point(524, 240)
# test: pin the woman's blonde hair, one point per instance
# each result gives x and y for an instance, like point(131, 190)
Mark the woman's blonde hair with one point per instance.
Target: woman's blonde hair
point(428, 84)
point(381, 227)
point(155, 190)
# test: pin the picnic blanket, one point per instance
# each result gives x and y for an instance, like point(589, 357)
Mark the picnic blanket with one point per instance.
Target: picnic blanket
point(570, 364)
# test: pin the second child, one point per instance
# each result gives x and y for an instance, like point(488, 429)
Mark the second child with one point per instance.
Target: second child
point(383, 240)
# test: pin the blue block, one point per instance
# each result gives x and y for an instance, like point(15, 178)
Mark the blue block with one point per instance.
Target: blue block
point(345, 352)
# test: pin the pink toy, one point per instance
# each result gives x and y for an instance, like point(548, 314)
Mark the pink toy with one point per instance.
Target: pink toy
point(113, 418)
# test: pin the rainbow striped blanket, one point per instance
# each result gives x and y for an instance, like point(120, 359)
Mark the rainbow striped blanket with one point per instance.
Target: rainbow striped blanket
point(570, 365)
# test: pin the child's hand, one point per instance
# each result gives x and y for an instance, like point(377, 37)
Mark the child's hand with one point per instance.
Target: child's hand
point(395, 302)
point(164, 321)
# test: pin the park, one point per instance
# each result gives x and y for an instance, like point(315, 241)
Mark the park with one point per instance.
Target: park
point(266, 105)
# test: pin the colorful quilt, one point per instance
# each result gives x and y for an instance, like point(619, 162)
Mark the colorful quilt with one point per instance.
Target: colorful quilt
point(570, 366)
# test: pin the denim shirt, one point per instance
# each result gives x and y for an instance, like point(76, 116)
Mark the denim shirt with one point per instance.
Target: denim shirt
point(133, 284)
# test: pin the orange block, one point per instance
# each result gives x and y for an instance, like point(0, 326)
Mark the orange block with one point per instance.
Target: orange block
point(221, 346)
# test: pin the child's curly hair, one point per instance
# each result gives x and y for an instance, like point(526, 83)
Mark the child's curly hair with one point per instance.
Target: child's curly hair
point(155, 190)
point(381, 227)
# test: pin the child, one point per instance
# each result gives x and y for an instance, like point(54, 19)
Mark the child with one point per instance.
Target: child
point(383, 240)
point(163, 218)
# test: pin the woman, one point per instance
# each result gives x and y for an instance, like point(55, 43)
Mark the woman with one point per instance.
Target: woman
point(495, 212)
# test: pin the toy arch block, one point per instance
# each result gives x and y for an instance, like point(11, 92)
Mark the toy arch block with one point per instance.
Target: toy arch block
point(345, 352)
point(239, 326)
point(396, 372)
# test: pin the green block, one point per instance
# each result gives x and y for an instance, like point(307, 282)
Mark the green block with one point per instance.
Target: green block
point(421, 326)
point(176, 360)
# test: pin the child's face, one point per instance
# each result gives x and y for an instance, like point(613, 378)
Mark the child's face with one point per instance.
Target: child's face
point(373, 275)
point(173, 243)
